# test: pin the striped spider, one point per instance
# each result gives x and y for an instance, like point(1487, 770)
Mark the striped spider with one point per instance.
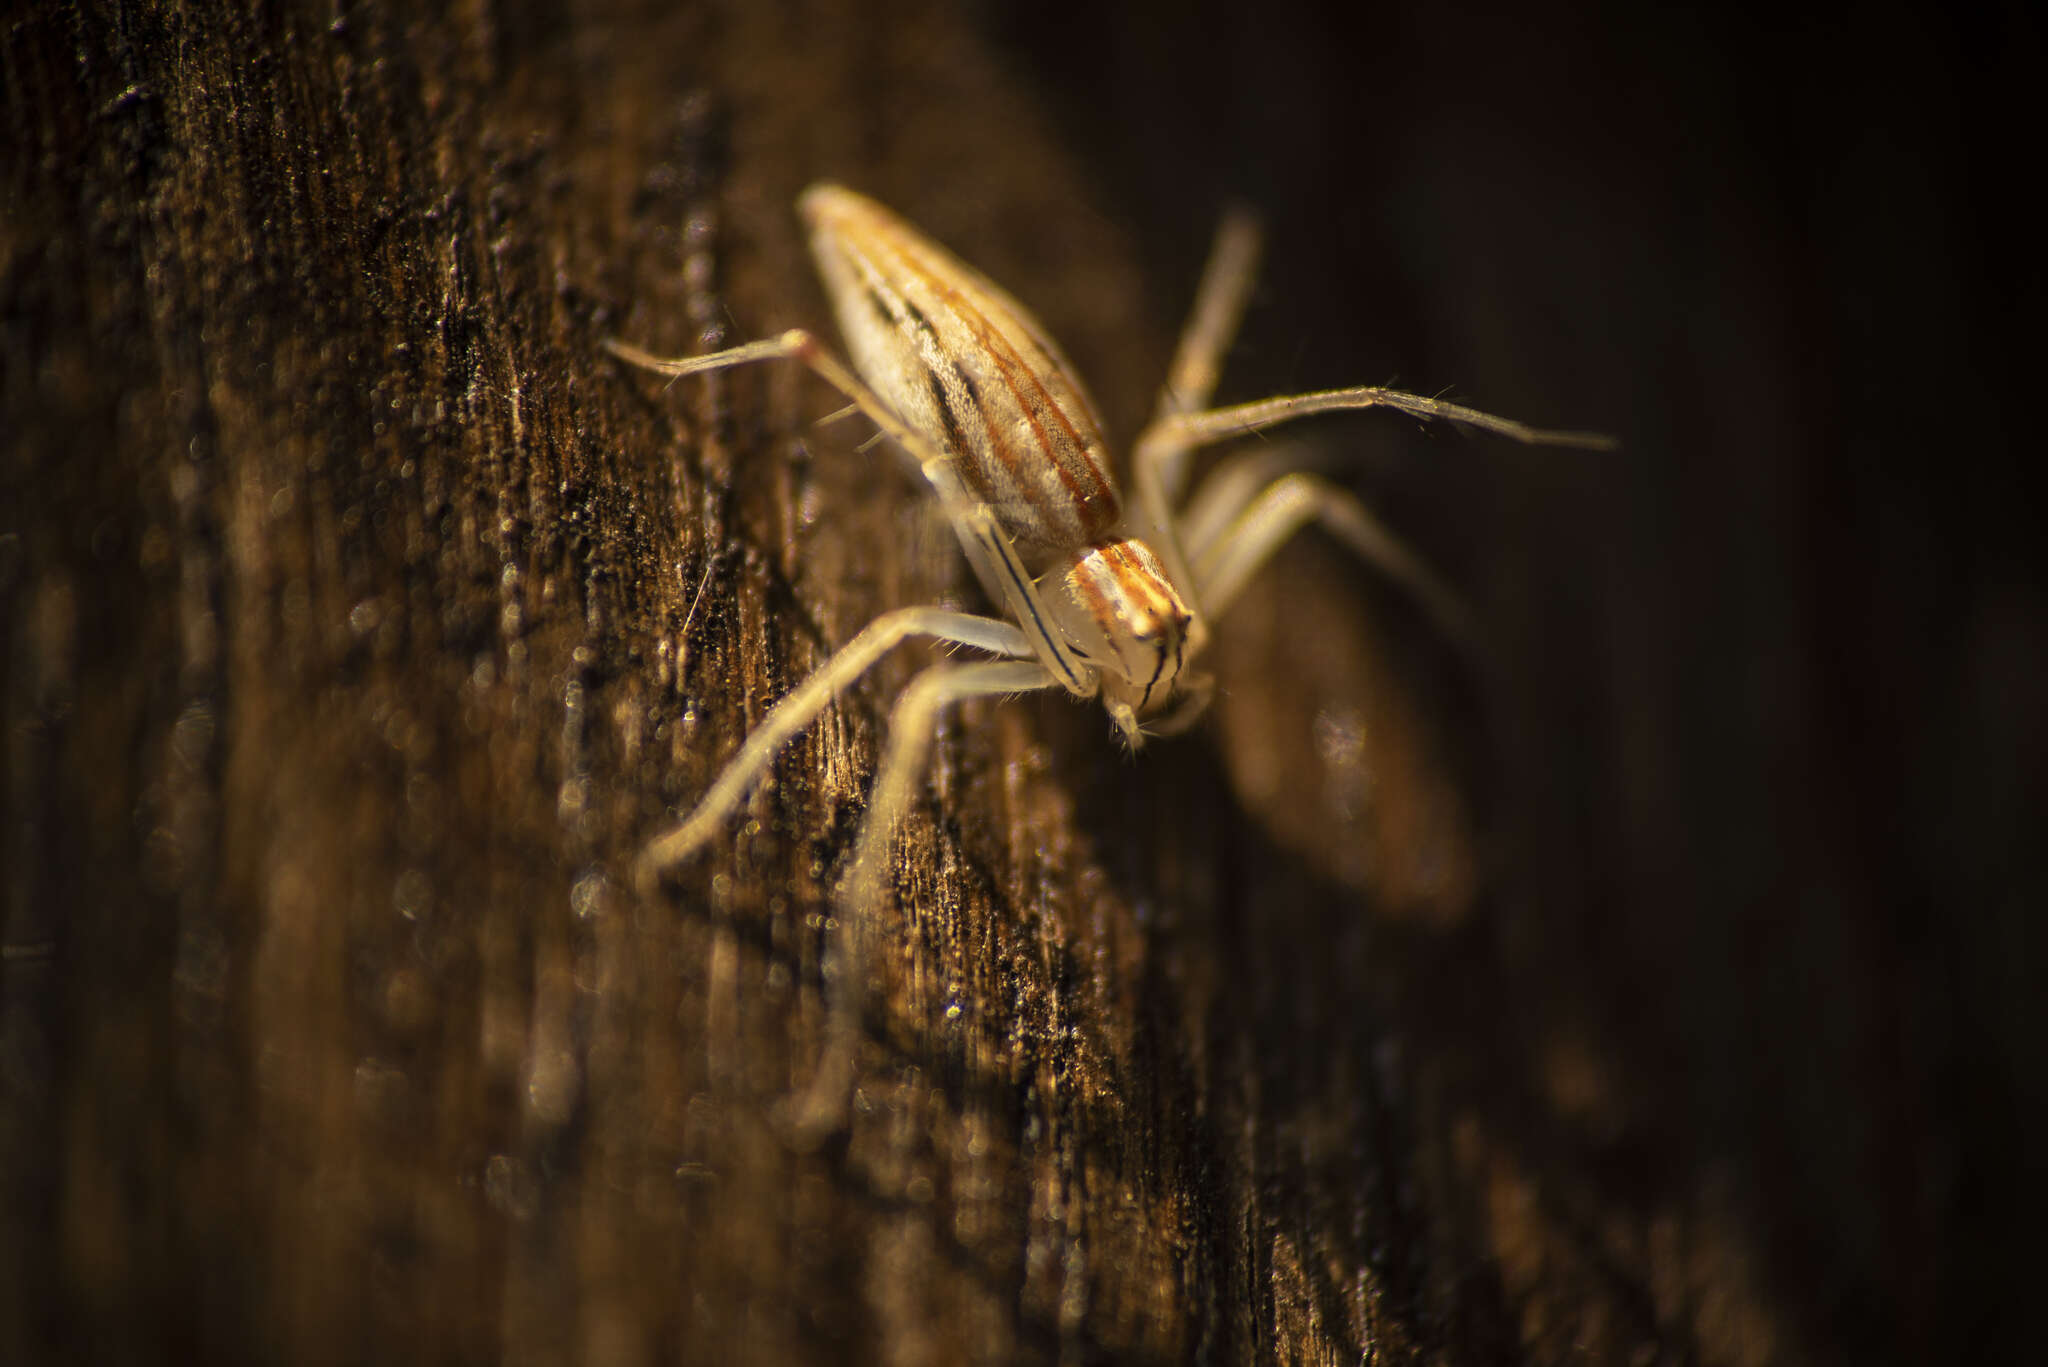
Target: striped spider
point(1105, 599)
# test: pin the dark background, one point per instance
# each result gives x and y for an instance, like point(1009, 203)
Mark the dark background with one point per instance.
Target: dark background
point(1670, 991)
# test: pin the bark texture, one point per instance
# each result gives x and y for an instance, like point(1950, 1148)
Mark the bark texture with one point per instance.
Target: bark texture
point(1669, 990)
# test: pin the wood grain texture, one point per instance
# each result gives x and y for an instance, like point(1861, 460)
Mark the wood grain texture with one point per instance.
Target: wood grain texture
point(1675, 995)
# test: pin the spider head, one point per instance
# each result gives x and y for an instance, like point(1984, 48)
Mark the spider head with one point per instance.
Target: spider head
point(1122, 610)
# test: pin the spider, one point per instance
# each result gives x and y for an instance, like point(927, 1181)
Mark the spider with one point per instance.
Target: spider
point(1105, 598)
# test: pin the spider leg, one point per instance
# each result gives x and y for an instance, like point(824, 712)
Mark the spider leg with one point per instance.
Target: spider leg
point(1176, 434)
point(800, 706)
point(1239, 527)
point(1226, 284)
point(1159, 457)
point(1227, 281)
point(1253, 502)
point(912, 722)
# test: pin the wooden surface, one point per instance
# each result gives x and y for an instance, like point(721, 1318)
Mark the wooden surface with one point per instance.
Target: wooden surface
point(1671, 993)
